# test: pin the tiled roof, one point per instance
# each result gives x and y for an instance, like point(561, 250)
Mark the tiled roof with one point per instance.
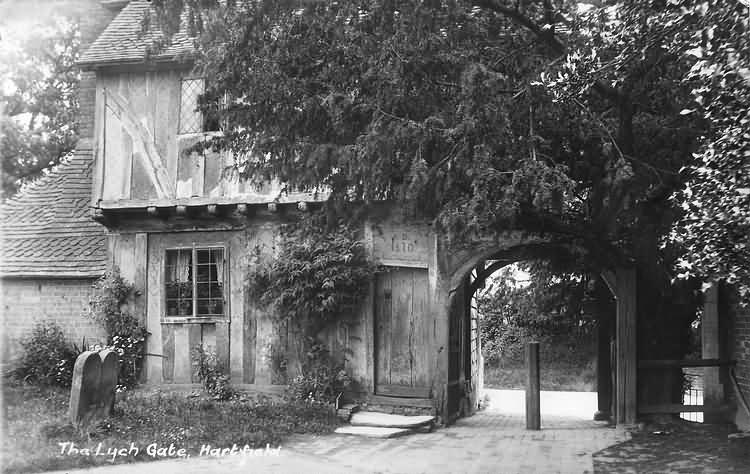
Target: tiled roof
point(123, 41)
point(47, 229)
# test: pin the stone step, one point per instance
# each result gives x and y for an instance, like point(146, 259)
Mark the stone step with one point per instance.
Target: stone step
point(373, 431)
point(401, 401)
point(385, 420)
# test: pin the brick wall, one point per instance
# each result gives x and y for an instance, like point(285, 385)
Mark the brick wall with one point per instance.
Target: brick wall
point(740, 351)
point(28, 301)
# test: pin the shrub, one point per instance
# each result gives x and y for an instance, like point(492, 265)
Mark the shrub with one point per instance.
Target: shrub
point(322, 274)
point(48, 359)
point(319, 276)
point(212, 374)
point(322, 379)
point(126, 334)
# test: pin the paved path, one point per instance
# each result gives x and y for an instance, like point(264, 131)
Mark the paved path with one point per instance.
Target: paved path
point(492, 441)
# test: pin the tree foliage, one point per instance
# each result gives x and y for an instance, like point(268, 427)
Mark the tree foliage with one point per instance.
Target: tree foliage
point(546, 308)
point(441, 104)
point(715, 226)
point(579, 119)
point(39, 104)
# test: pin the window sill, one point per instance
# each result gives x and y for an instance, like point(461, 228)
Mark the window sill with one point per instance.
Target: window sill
point(194, 320)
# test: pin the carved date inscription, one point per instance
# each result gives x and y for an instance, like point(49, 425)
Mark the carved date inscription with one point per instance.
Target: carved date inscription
point(402, 247)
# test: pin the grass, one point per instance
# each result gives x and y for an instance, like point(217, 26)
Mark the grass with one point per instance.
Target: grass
point(36, 424)
point(562, 378)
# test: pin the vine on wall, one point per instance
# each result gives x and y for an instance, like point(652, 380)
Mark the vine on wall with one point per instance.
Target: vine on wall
point(319, 276)
point(110, 306)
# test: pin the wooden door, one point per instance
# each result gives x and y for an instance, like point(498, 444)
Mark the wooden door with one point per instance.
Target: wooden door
point(402, 326)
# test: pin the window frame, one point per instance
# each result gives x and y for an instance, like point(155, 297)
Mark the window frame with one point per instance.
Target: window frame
point(194, 318)
point(202, 118)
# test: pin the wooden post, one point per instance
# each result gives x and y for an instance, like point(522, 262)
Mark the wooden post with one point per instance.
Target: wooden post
point(140, 281)
point(603, 370)
point(713, 390)
point(627, 356)
point(533, 414)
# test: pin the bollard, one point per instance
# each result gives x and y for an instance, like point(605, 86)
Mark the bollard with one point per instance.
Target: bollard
point(533, 413)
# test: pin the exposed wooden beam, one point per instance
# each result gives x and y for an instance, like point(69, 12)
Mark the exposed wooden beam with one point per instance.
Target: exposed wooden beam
point(626, 342)
point(485, 273)
point(675, 363)
point(678, 408)
point(610, 278)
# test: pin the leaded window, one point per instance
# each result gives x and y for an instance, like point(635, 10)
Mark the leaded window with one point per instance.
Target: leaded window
point(191, 118)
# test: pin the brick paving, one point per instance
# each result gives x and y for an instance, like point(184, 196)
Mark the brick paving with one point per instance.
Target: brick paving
point(674, 448)
point(492, 441)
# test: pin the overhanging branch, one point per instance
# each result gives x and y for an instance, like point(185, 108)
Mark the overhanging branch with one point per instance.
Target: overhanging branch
point(548, 37)
point(517, 17)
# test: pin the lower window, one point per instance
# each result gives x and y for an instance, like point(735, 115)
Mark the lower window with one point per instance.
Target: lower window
point(194, 282)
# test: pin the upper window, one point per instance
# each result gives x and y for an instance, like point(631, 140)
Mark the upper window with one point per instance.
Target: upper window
point(192, 120)
point(194, 282)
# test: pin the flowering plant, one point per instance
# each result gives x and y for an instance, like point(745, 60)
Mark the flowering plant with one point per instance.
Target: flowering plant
point(127, 335)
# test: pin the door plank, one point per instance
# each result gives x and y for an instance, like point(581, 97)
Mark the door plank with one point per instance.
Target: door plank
point(402, 332)
point(383, 303)
point(423, 325)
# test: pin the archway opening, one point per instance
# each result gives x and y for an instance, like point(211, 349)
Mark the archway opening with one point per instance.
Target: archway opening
point(531, 292)
point(529, 300)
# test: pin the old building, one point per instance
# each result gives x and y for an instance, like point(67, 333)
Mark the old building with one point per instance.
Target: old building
point(182, 226)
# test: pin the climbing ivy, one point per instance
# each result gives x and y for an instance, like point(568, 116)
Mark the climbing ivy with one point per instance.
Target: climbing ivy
point(318, 276)
point(110, 306)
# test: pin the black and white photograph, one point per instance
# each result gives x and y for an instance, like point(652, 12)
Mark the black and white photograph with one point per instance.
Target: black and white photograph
point(375, 236)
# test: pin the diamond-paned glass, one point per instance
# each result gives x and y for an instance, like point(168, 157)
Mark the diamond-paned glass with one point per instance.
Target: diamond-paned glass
point(191, 119)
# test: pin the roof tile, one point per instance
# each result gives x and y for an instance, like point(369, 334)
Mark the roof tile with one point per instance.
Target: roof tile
point(123, 40)
point(45, 235)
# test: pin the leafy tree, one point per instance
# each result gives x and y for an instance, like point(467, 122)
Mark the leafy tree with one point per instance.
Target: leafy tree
point(715, 227)
point(547, 307)
point(479, 114)
point(39, 105)
point(555, 116)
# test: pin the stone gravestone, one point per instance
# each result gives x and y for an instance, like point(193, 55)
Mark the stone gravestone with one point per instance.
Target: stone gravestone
point(84, 392)
point(92, 394)
point(108, 381)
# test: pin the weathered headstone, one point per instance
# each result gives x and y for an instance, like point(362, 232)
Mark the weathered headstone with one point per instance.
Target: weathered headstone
point(92, 394)
point(108, 381)
point(84, 392)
